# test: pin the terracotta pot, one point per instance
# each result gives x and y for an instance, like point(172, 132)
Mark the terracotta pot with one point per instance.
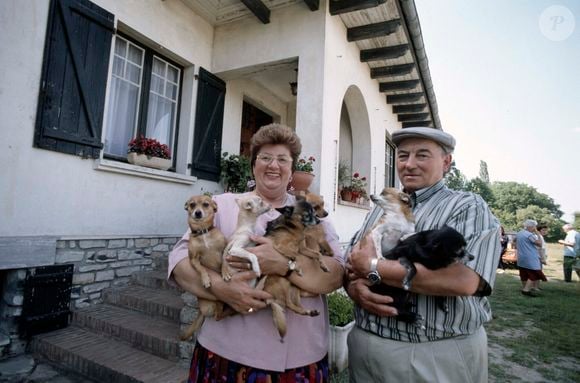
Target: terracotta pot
point(150, 162)
point(346, 195)
point(301, 181)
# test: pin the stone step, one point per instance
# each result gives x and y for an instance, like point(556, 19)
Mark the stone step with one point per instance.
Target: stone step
point(156, 279)
point(154, 302)
point(104, 359)
point(156, 336)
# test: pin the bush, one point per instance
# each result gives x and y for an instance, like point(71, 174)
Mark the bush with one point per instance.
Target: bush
point(235, 172)
point(340, 308)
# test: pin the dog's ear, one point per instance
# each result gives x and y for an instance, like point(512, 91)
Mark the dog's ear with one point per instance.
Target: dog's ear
point(286, 210)
point(405, 198)
point(186, 205)
point(214, 206)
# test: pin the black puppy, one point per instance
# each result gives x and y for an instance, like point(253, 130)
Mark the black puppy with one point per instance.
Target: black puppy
point(433, 249)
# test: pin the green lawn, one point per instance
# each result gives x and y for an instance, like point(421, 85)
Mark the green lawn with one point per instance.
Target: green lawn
point(532, 339)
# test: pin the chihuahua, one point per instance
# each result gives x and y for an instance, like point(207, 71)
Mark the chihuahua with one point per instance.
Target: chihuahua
point(206, 246)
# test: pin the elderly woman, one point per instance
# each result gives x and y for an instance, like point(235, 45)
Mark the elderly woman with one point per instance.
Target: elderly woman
point(247, 347)
point(528, 258)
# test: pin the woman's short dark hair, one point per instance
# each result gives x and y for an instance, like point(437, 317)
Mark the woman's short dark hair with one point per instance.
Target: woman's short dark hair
point(276, 134)
point(541, 226)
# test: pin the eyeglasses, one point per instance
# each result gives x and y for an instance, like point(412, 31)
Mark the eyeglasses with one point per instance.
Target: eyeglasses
point(268, 158)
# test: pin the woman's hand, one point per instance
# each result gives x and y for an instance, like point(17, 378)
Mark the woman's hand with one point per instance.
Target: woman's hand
point(359, 290)
point(271, 261)
point(238, 294)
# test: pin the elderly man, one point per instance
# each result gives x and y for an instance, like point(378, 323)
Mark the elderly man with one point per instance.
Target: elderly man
point(570, 246)
point(452, 344)
point(529, 262)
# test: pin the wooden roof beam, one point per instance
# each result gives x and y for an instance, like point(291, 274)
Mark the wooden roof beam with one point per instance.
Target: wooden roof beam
point(393, 70)
point(398, 85)
point(412, 117)
point(258, 9)
point(338, 7)
point(418, 124)
point(383, 53)
point(369, 31)
point(313, 5)
point(403, 98)
point(409, 108)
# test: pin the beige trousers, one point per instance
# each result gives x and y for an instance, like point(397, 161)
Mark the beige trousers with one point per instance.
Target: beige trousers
point(460, 359)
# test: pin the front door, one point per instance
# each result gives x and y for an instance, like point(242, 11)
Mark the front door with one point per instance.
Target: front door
point(252, 119)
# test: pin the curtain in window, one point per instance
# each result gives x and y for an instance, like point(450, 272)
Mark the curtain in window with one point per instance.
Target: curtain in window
point(124, 97)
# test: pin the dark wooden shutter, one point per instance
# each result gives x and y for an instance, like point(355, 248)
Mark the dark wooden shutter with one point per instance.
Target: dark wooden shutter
point(74, 78)
point(209, 121)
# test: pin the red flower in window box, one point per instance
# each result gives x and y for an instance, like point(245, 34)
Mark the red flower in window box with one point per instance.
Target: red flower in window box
point(149, 147)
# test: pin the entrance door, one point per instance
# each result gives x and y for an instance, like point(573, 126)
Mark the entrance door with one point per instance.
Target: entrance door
point(252, 119)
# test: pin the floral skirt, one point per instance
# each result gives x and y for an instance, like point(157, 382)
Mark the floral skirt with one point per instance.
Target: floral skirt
point(207, 367)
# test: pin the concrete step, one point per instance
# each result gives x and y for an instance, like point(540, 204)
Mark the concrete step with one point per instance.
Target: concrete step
point(104, 359)
point(156, 279)
point(156, 336)
point(154, 302)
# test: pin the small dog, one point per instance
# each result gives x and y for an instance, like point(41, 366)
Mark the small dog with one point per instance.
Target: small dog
point(396, 222)
point(251, 207)
point(206, 246)
point(314, 234)
point(434, 249)
point(287, 234)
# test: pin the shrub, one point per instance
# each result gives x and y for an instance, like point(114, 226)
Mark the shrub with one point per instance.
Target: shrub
point(340, 308)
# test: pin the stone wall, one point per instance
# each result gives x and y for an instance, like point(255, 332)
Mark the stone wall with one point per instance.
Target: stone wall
point(99, 263)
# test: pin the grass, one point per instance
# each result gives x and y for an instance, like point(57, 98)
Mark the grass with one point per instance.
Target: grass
point(532, 339)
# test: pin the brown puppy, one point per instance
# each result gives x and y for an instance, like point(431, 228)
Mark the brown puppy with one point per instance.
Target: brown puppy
point(315, 235)
point(287, 234)
point(206, 245)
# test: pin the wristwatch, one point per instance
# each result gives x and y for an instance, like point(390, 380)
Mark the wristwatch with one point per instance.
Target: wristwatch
point(374, 277)
point(291, 267)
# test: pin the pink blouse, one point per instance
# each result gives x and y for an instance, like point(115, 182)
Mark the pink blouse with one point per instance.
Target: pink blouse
point(252, 340)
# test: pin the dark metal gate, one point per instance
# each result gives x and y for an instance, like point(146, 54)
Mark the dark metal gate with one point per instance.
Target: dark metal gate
point(46, 305)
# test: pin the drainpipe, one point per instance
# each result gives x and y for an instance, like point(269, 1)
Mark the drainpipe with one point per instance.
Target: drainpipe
point(409, 13)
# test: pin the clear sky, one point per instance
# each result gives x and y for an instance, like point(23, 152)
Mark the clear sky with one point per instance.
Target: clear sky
point(506, 75)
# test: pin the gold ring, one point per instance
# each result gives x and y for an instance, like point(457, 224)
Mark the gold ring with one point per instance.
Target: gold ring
point(250, 310)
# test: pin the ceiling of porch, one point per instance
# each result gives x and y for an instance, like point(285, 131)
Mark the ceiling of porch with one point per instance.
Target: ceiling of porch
point(387, 33)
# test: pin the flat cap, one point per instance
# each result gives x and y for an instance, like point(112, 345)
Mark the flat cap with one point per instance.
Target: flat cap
point(446, 140)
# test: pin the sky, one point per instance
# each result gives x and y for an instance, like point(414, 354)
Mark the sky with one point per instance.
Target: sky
point(506, 75)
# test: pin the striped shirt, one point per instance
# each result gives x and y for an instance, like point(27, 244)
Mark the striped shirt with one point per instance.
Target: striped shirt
point(435, 207)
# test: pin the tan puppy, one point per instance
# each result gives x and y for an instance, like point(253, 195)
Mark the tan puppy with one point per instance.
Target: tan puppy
point(396, 222)
point(315, 235)
point(206, 246)
point(251, 207)
point(287, 234)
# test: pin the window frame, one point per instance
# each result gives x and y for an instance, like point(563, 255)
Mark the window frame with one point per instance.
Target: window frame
point(144, 95)
point(390, 166)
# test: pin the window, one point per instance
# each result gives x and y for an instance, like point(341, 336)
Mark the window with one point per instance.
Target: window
point(143, 100)
point(389, 164)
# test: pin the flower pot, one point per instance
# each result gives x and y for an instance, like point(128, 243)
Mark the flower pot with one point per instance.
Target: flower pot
point(346, 195)
point(301, 181)
point(337, 347)
point(150, 162)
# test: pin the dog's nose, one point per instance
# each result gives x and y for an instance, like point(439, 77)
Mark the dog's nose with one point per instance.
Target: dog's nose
point(198, 214)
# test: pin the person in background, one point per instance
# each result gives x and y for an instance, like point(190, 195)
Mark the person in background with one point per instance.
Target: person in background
point(529, 259)
point(452, 344)
point(569, 253)
point(246, 347)
point(503, 241)
point(542, 249)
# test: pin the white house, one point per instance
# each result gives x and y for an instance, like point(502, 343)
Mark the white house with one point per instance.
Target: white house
point(81, 78)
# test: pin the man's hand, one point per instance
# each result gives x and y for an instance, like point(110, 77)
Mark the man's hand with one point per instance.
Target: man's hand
point(360, 258)
point(360, 292)
point(238, 294)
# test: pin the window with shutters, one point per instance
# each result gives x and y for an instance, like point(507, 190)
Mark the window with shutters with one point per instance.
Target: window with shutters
point(143, 98)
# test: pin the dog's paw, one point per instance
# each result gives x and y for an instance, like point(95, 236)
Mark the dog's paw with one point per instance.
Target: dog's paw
point(313, 313)
point(226, 276)
point(206, 282)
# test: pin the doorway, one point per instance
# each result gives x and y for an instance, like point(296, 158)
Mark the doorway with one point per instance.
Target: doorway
point(252, 119)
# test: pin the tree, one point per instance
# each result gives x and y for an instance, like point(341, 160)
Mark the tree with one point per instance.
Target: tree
point(479, 186)
point(511, 196)
point(454, 179)
point(483, 173)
